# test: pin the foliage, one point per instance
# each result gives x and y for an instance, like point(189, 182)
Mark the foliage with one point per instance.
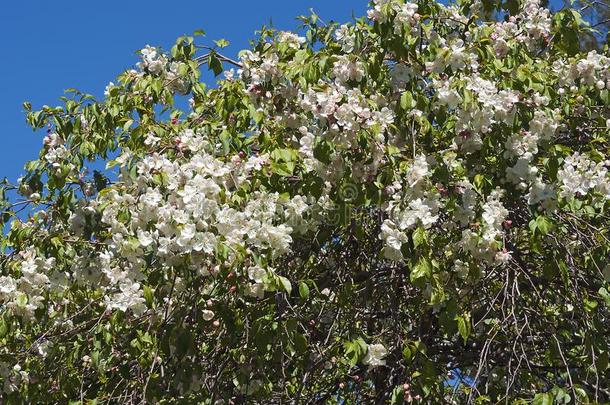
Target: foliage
point(350, 216)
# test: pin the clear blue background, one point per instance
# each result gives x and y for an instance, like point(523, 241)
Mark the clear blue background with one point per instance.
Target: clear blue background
point(49, 46)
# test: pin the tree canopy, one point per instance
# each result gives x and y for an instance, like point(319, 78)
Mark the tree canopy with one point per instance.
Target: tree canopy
point(411, 207)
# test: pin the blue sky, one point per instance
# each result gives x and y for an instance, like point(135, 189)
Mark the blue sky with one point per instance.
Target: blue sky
point(51, 46)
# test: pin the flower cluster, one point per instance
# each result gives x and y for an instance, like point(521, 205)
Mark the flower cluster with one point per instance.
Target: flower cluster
point(152, 60)
point(532, 26)
point(579, 175)
point(188, 216)
point(412, 205)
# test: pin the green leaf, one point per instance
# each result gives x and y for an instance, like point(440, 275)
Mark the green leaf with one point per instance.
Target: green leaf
point(398, 395)
point(541, 224)
point(285, 284)
point(406, 101)
point(605, 295)
point(284, 161)
point(257, 116)
point(303, 290)
point(283, 169)
point(464, 326)
point(354, 350)
point(581, 394)
point(543, 399)
point(323, 151)
point(214, 64)
point(3, 327)
point(222, 43)
point(605, 96)
point(149, 296)
point(407, 353)
point(423, 269)
point(127, 125)
point(479, 182)
point(419, 237)
point(589, 305)
point(286, 155)
point(300, 343)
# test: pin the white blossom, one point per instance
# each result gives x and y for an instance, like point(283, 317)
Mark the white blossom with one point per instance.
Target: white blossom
point(375, 355)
